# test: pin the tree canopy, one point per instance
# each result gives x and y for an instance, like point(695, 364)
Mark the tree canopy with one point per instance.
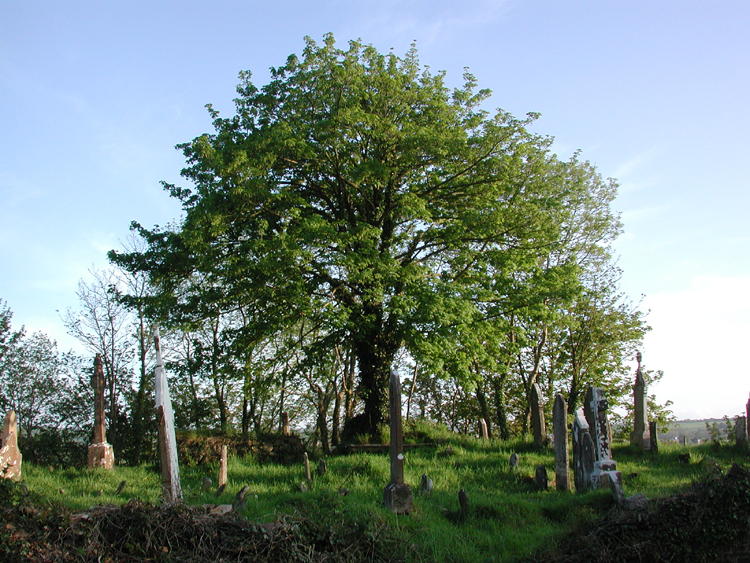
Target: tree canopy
point(358, 193)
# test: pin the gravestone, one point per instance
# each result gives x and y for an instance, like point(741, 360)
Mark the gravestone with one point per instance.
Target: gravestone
point(537, 416)
point(223, 462)
point(740, 430)
point(747, 418)
point(322, 467)
point(541, 481)
point(170, 469)
point(653, 435)
point(10, 455)
point(285, 424)
point(562, 456)
point(639, 437)
point(583, 453)
point(483, 432)
point(206, 485)
point(514, 460)
point(426, 485)
point(463, 503)
point(595, 411)
point(397, 495)
point(100, 452)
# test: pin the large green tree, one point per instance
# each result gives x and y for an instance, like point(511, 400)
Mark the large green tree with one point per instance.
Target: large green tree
point(357, 191)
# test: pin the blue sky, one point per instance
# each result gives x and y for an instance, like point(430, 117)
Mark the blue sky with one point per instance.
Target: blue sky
point(94, 96)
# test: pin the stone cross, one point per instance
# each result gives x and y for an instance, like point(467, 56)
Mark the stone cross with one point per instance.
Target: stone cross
point(171, 488)
point(639, 437)
point(562, 457)
point(397, 495)
point(10, 455)
point(537, 416)
point(101, 453)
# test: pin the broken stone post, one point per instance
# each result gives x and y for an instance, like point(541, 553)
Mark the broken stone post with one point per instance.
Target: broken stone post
point(308, 475)
point(285, 424)
point(101, 453)
point(397, 495)
point(740, 431)
point(170, 469)
point(653, 435)
point(639, 436)
point(583, 453)
point(595, 411)
point(483, 432)
point(537, 416)
point(223, 463)
point(10, 455)
point(562, 457)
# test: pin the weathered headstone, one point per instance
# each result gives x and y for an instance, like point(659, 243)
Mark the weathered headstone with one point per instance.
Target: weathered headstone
point(514, 460)
point(747, 418)
point(537, 416)
point(285, 424)
point(426, 485)
point(463, 503)
point(562, 456)
point(10, 455)
point(639, 436)
point(170, 469)
point(595, 410)
point(653, 434)
point(483, 432)
point(397, 495)
point(101, 453)
point(740, 431)
point(322, 467)
point(583, 453)
point(206, 485)
point(685, 441)
point(308, 475)
point(223, 463)
point(541, 481)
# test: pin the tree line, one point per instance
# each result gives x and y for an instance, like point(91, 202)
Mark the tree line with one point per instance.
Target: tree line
point(355, 215)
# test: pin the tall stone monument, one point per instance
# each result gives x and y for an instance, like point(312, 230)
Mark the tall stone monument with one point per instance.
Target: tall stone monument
point(10, 455)
point(562, 457)
point(583, 453)
point(397, 495)
point(537, 416)
point(101, 453)
point(595, 411)
point(171, 489)
point(639, 437)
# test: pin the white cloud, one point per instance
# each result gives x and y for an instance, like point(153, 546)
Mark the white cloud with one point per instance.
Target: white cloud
point(699, 338)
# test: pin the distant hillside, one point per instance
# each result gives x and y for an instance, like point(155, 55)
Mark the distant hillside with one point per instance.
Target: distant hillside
point(695, 430)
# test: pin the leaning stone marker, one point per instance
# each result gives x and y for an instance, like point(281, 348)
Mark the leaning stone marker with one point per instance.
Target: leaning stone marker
point(171, 490)
point(537, 416)
point(101, 453)
point(639, 436)
point(483, 430)
point(223, 462)
point(653, 435)
point(541, 481)
point(10, 455)
point(562, 456)
point(308, 475)
point(397, 495)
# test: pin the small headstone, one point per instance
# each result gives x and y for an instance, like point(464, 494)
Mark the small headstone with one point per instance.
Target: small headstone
point(303, 487)
point(322, 467)
point(653, 434)
point(426, 485)
point(463, 503)
point(206, 485)
point(10, 455)
point(242, 493)
point(223, 462)
point(514, 460)
point(541, 481)
point(562, 457)
point(308, 475)
point(285, 424)
point(537, 416)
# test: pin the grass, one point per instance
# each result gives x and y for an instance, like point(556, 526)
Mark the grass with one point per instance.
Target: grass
point(508, 519)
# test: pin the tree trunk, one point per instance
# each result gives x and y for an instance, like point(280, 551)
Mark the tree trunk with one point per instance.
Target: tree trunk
point(498, 384)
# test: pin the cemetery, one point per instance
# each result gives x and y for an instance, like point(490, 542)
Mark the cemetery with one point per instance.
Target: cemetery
point(452, 497)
